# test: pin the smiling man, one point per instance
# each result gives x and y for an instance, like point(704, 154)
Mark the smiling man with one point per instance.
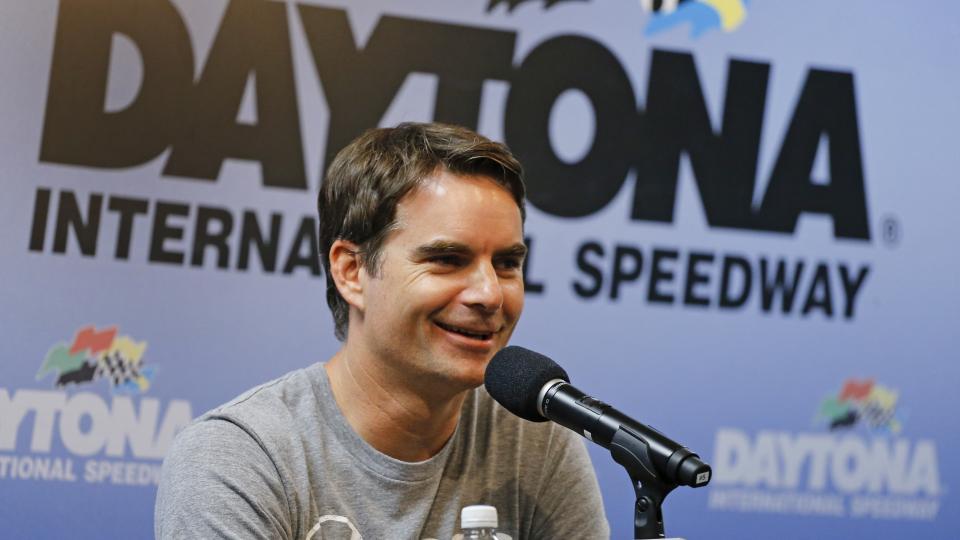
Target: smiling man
point(421, 234)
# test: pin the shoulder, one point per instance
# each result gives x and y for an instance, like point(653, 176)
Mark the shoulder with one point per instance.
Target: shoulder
point(213, 476)
point(267, 421)
point(281, 400)
point(240, 458)
point(270, 415)
point(253, 422)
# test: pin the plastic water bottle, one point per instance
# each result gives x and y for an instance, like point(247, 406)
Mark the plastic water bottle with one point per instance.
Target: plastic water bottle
point(478, 522)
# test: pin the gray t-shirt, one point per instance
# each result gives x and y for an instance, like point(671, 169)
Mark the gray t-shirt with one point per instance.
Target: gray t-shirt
point(281, 461)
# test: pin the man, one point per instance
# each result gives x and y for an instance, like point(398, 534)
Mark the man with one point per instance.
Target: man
point(421, 232)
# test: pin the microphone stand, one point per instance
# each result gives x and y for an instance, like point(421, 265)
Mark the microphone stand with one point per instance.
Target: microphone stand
point(631, 452)
point(656, 464)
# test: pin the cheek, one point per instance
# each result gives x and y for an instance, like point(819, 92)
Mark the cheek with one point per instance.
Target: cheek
point(432, 294)
point(388, 303)
point(513, 299)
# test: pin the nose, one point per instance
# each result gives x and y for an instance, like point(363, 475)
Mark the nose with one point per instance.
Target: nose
point(484, 290)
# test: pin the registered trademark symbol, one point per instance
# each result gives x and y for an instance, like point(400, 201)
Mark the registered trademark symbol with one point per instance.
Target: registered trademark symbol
point(890, 230)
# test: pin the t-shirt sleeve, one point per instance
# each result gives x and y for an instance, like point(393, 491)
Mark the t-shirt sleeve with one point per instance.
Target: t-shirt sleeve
point(218, 482)
point(569, 504)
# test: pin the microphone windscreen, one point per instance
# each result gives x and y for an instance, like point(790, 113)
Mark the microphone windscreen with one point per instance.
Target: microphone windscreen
point(515, 376)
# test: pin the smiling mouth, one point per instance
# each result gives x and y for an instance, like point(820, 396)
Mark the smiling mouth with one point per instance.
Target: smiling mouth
point(481, 336)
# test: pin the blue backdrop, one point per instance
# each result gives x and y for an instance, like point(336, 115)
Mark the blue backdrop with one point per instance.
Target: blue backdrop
point(740, 225)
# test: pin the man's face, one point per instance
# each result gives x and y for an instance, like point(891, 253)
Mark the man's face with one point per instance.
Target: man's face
point(450, 287)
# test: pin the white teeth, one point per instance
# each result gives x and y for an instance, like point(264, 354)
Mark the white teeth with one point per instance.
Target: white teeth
point(461, 331)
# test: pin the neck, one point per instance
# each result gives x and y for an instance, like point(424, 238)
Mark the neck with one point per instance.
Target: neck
point(389, 411)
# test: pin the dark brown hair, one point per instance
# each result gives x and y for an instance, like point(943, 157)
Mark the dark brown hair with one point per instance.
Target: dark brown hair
point(368, 178)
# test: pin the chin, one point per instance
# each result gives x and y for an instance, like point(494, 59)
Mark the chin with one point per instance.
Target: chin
point(471, 377)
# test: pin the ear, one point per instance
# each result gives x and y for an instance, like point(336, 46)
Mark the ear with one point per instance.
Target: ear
point(346, 269)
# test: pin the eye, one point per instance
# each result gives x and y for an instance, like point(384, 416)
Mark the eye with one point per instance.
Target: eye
point(510, 263)
point(447, 260)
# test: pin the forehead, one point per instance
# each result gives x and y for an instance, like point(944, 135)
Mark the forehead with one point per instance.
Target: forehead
point(448, 203)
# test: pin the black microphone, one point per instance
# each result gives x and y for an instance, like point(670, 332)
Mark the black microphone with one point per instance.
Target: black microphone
point(535, 388)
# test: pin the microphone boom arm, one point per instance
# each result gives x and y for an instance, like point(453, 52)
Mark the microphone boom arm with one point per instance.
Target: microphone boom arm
point(652, 475)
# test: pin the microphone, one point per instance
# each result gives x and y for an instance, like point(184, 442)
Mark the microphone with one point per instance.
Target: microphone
point(535, 388)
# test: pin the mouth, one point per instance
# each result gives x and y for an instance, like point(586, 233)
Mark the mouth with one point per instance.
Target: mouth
point(470, 333)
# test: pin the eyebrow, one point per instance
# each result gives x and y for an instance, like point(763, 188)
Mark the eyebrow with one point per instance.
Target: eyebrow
point(446, 247)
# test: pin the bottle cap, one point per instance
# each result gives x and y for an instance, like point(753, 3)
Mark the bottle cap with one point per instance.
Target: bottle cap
point(478, 516)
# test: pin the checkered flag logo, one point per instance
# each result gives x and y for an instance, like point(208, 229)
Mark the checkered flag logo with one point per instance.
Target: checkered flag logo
point(94, 355)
